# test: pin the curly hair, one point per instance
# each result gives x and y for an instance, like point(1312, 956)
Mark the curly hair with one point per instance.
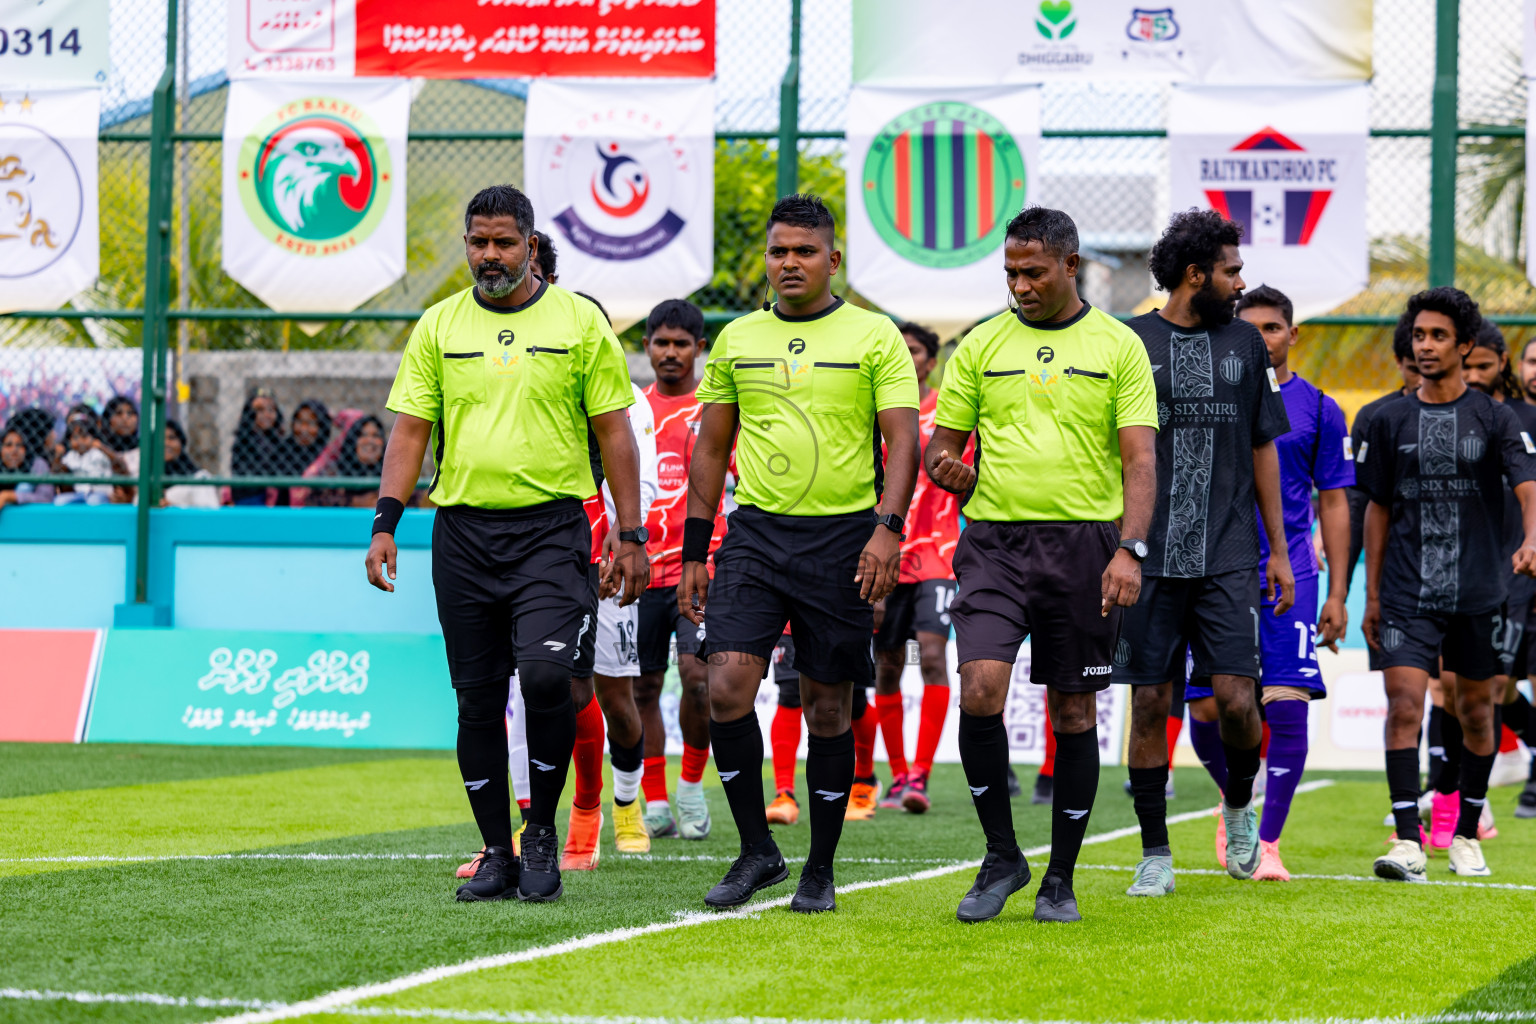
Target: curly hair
point(1452, 303)
point(1194, 237)
point(1053, 229)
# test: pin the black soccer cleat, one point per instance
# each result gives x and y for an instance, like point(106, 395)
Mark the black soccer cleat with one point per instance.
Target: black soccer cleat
point(1055, 902)
point(541, 865)
point(1045, 786)
point(814, 894)
point(1014, 789)
point(999, 878)
point(496, 877)
point(755, 869)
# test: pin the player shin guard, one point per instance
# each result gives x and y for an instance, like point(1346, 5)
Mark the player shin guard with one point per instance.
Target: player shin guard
point(482, 748)
point(785, 734)
point(1475, 769)
point(1205, 737)
point(828, 777)
point(1287, 759)
point(1149, 790)
point(1403, 785)
point(627, 769)
point(1450, 761)
point(588, 755)
point(738, 749)
point(1077, 782)
point(691, 772)
point(984, 755)
point(551, 736)
point(888, 706)
point(931, 726)
point(1242, 769)
point(654, 781)
point(1048, 766)
point(864, 726)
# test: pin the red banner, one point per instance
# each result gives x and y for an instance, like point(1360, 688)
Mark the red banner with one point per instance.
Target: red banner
point(45, 682)
point(536, 38)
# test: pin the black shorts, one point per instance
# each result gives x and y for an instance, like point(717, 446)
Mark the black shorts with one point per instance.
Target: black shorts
point(1519, 617)
point(915, 608)
point(586, 642)
point(1468, 645)
point(772, 569)
point(513, 585)
point(1040, 580)
point(659, 622)
point(1215, 618)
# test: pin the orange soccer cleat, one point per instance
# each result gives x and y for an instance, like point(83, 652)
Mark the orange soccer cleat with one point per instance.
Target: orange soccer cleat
point(582, 844)
point(785, 809)
point(863, 798)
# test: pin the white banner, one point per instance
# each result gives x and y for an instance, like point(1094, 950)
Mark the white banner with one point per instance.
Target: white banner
point(53, 42)
point(1530, 165)
point(933, 179)
point(1289, 165)
point(309, 38)
point(622, 176)
point(314, 190)
point(48, 211)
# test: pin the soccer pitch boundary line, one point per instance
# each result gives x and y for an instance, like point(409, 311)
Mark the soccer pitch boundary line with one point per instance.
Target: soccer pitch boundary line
point(684, 919)
point(501, 1017)
point(1328, 878)
point(152, 998)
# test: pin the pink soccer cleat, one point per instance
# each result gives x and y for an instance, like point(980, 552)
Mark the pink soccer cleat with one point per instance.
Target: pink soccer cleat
point(1270, 868)
point(1442, 819)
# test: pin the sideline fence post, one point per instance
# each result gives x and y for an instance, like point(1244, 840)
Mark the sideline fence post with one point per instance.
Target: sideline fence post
point(1444, 122)
point(789, 110)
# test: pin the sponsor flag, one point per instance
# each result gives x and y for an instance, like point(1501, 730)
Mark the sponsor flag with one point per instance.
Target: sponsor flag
point(1530, 181)
point(933, 179)
point(1289, 165)
point(306, 38)
point(314, 190)
point(49, 250)
point(54, 42)
point(622, 176)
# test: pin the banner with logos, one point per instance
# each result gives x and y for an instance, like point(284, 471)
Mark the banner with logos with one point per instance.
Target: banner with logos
point(1530, 169)
point(987, 42)
point(473, 38)
point(54, 42)
point(933, 178)
point(1289, 165)
point(49, 248)
point(622, 176)
point(314, 190)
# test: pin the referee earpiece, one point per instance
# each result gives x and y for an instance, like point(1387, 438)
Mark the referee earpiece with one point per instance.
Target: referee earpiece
point(767, 305)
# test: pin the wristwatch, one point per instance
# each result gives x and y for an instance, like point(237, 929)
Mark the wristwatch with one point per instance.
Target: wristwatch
point(1137, 548)
point(639, 536)
point(894, 523)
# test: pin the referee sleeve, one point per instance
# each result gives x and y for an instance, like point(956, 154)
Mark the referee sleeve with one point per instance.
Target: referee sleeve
point(1135, 388)
point(418, 387)
point(605, 382)
point(959, 394)
point(718, 384)
point(892, 373)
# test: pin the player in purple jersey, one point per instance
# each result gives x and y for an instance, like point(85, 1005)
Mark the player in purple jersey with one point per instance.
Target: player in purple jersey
point(1315, 452)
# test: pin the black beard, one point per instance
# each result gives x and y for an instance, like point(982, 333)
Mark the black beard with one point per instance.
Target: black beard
point(1210, 309)
point(1486, 389)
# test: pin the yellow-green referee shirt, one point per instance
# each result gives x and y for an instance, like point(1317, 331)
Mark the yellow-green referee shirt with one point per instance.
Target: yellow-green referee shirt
point(1048, 401)
point(510, 391)
point(808, 389)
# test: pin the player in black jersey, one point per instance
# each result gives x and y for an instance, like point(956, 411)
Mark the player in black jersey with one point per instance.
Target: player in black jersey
point(1434, 465)
point(1402, 352)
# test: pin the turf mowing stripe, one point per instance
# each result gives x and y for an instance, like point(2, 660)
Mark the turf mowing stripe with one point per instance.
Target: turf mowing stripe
point(500, 1017)
point(153, 998)
point(331, 1001)
point(1329, 878)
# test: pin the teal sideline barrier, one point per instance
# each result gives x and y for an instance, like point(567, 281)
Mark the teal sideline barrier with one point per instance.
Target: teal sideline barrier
point(282, 689)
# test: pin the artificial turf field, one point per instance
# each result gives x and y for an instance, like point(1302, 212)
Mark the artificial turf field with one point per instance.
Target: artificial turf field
point(261, 883)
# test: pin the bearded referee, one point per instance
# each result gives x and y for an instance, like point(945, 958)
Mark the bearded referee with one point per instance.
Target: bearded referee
point(1059, 504)
point(512, 373)
point(813, 383)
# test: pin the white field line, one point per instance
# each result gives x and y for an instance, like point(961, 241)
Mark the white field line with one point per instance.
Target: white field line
point(494, 1017)
point(641, 857)
point(347, 996)
point(152, 998)
point(1328, 878)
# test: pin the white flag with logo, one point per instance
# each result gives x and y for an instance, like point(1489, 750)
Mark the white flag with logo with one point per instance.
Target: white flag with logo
point(934, 176)
point(49, 250)
point(314, 190)
point(1289, 165)
point(622, 177)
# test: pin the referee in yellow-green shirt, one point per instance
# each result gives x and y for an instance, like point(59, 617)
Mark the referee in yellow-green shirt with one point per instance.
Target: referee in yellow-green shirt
point(1062, 398)
point(512, 373)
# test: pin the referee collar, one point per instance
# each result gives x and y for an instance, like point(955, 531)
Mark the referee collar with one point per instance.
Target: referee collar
point(537, 295)
point(837, 301)
point(1052, 325)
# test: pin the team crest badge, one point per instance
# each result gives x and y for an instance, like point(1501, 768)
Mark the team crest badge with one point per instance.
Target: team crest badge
point(1232, 369)
point(1472, 448)
point(1152, 26)
point(1122, 652)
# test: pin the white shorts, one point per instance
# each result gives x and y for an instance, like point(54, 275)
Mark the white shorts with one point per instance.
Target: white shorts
point(617, 655)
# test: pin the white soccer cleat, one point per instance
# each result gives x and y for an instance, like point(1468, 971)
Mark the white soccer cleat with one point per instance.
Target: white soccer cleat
point(1509, 769)
point(1467, 857)
point(1404, 862)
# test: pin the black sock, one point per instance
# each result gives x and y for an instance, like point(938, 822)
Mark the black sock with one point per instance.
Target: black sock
point(1242, 769)
point(828, 777)
point(551, 741)
point(1517, 715)
point(1450, 765)
point(738, 750)
point(482, 748)
point(1403, 784)
point(1149, 790)
point(625, 759)
point(1436, 737)
point(1475, 769)
point(1077, 782)
point(984, 755)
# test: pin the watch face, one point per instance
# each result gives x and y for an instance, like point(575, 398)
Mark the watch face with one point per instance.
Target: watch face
point(1141, 549)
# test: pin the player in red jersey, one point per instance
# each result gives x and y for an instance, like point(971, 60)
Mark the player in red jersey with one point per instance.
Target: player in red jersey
point(918, 609)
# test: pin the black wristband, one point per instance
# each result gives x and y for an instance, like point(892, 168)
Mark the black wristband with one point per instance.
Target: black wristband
point(697, 533)
point(386, 515)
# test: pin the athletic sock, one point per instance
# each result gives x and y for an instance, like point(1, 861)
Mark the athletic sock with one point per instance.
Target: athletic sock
point(828, 778)
point(1517, 718)
point(482, 752)
point(655, 780)
point(785, 734)
point(1149, 791)
point(984, 755)
point(694, 760)
point(1242, 769)
point(1264, 739)
point(1287, 760)
point(1048, 766)
point(931, 726)
point(1175, 726)
point(588, 755)
point(1475, 769)
point(1451, 760)
point(888, 707)
point(551, 743)
point(1205, 737)
point(628, 766)
point(1436, 741)
point(864, 726)
point(1077, 782)
point(1403, 785)
point(739, 760)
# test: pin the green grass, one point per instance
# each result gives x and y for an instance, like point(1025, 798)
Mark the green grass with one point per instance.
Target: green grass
point(285, 930)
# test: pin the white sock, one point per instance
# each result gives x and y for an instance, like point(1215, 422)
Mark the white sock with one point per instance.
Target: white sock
point(657, 805)
point(626, 785)
point(690, 787)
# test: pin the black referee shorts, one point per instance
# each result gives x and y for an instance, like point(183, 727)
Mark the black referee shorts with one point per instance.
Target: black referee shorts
point(772, 569)
point(914, 608)
point(659, 622)
point(512, 586)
